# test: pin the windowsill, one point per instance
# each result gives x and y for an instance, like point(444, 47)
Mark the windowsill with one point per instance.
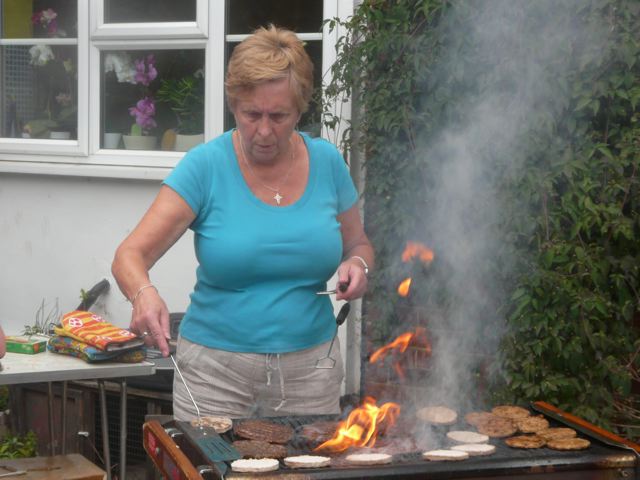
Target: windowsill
point(82, 169)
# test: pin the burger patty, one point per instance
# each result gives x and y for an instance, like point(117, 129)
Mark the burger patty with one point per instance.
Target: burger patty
point(510, 411)
point(218, 423)
point(255, 465)
point(474, 418)
point(525, 441)
point(559, 433)
point(532, 424)
point(497, 427)
point(260, 449)
point(438, 415)
point(568, 444)
point(319, 432)
point(256, 429)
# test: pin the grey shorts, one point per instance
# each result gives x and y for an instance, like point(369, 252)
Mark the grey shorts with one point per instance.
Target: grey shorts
point(241, 385)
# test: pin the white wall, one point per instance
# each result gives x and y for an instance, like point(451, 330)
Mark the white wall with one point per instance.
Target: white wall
point(58, 235)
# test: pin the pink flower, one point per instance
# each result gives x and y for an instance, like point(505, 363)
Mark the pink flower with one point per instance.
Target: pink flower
point(46, 19)
point(144, 111)
point(145, 72)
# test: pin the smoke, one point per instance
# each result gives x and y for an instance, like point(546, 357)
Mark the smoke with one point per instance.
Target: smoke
point(522, 50)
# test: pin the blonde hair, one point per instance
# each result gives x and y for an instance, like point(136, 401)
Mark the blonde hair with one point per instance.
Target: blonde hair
point(270, 54)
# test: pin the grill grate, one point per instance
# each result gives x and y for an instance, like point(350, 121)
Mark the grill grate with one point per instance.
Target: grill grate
point(506, 461)
point(298, 445)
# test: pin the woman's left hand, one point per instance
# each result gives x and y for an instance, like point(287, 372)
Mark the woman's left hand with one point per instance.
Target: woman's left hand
point(351, 273)
point(358, 255)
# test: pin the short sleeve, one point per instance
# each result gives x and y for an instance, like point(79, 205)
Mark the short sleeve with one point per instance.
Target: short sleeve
point(191, 178)
point(345, 188)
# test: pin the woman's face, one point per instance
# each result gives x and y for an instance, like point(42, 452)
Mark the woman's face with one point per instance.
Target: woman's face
point(266, 117)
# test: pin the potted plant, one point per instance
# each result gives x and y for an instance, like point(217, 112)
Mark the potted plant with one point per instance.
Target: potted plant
point(139, 137)
point(140, 72)
point(185, 98)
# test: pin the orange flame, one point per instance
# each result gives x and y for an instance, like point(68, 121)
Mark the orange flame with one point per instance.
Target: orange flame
point(417, 249)
point(400, 345)
point(362, 427)
point(403, 288)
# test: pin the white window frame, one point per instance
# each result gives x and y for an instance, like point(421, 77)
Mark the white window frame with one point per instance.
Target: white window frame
point(146, 30)
point(84, 157)
point(14, 148)
point(131, 158)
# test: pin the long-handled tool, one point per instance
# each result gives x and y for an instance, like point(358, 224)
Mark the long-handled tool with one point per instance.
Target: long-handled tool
point(328, 361)
point(341, 287)
point(208, 441)
point(585, 427)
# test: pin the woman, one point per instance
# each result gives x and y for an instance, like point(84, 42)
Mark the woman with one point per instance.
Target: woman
point(274, 214)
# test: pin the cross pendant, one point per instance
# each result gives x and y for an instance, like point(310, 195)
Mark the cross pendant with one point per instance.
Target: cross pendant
point(277, 197)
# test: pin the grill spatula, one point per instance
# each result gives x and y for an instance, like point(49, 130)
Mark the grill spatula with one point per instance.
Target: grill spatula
point(205, 438)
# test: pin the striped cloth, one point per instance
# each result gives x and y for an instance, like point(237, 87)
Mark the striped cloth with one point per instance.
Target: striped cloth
point(91, 354)
point(93, 330)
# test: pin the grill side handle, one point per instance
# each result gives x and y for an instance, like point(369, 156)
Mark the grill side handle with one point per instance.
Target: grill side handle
point(585, 427)
point(165, 454)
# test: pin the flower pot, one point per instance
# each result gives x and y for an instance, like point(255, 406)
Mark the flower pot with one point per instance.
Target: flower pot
point(187, 142)
point(139, 142)
point(111, 140)
point(59, 135)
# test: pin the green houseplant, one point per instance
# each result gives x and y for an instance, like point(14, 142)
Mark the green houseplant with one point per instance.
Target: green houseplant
point(185, 98)
point(142, 73)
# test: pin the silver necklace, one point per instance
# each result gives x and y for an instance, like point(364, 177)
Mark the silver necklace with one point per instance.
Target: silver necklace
point(277, 197)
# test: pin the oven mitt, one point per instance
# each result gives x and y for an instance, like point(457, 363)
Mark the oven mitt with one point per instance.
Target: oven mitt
point(88, 353)
point(93, 330)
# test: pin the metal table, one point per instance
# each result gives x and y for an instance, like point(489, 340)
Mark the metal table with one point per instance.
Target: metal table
point(52, 367)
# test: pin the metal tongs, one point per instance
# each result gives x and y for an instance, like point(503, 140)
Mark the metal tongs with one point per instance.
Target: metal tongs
point(342, 287)
point(328, 362)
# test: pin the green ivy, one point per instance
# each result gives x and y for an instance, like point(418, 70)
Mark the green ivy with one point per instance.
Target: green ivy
point(568, 186)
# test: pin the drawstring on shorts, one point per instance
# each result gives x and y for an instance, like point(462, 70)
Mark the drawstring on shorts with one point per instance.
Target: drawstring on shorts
point(270, 368)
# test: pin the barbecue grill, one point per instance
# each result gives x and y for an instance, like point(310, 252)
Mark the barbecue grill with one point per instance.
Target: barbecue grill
point(609, 457)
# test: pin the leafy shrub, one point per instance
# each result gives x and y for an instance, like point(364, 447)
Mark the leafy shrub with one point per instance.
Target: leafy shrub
point(15, 446)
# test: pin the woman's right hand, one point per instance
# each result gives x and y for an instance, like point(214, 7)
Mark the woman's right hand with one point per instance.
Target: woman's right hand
point(150, 320)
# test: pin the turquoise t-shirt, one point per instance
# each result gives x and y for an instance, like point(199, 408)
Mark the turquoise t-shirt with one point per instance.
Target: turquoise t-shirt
point(259, 266)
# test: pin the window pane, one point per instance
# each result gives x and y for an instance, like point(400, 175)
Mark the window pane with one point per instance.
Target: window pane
point(142, 11)
point(310, 121)
point(244, 16)
point(152, 93)
point(39, 18)
point(39, 91)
